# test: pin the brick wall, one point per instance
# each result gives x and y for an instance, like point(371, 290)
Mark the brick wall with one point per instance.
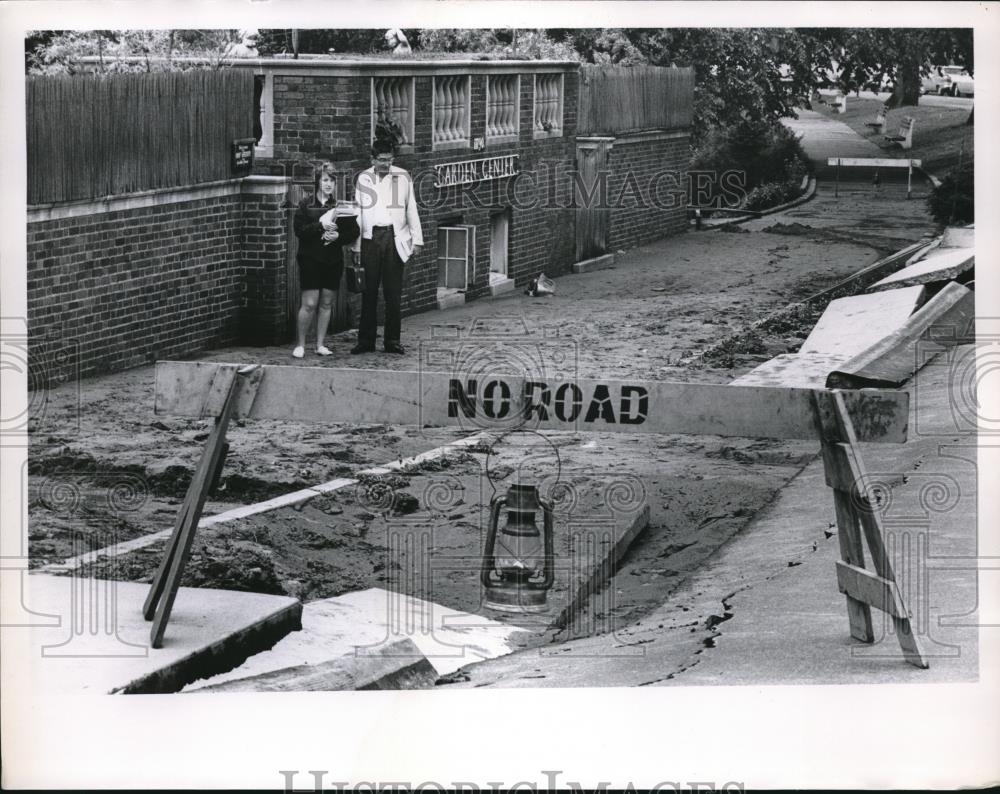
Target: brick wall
point(157, 275)
point(646, 188)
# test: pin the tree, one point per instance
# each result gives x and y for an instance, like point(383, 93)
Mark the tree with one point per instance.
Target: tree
point(275, 41)
point(741, 75)
point(61, 52)
point(869, 58)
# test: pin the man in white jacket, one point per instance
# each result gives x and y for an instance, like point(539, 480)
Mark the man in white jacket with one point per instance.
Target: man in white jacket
point(390, 235)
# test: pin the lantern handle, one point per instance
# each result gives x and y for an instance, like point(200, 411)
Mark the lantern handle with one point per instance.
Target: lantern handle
point(489, 559)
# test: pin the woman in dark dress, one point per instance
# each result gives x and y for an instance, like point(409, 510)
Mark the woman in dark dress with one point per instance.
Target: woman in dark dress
point(320, 256)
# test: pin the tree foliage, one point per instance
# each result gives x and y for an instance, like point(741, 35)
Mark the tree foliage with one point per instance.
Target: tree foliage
point(318, 41)
point(855, 59)
point(954, 200)
point(61, 51)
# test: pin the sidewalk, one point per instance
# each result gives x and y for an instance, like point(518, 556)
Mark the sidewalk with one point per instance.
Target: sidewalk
point(766, 609)
point(822, 137)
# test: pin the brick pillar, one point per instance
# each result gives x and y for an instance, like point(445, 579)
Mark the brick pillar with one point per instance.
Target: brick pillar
point(264, 256)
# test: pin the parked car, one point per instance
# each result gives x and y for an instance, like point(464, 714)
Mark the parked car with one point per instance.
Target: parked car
point(948, 81)
point(962, 83)
point(932, 82)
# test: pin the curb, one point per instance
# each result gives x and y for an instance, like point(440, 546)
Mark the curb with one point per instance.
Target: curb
point(809, 194)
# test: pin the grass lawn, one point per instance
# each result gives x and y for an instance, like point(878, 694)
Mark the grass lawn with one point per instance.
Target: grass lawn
point(937, 138)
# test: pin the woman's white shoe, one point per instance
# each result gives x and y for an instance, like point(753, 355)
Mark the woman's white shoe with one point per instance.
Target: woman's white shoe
point(299, 352)
point(323, 350)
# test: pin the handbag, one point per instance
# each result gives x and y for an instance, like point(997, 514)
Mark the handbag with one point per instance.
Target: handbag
point(355, 275)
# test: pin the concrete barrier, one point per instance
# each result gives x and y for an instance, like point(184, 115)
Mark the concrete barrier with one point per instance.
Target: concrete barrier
point(944, 321)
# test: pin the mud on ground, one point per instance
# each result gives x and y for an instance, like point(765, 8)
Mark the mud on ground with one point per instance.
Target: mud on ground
point(103, 465)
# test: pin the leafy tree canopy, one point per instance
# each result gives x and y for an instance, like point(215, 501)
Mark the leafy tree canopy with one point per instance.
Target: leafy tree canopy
point(60, 51)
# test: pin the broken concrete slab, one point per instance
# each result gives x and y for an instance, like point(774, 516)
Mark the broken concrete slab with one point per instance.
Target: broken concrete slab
point(799, 370)
point(851, 325)
point(396, 665)
point(101, 643)
point(940, 267)
point(944, 321)
point(959, 237)
point(366, 622)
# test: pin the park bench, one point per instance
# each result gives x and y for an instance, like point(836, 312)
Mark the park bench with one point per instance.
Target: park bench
point(840, 102)
point(878, 124)
point(904, 136)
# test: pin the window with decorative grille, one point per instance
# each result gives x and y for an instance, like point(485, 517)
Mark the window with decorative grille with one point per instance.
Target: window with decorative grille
point(548, 104)
point(392, 99)
point(502, 106)
point(451, 111)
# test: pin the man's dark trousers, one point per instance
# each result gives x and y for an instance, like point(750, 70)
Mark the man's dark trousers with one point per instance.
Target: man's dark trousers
point(382, 265)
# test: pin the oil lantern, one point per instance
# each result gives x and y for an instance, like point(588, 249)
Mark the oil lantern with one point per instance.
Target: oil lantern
point(517, 567)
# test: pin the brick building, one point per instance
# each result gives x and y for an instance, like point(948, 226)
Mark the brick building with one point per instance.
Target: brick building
point(520, 168)
point(494, 149)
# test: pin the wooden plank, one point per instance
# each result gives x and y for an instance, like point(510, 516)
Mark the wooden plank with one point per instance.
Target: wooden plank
point(326, 395)
point(180, 547)
point(859, 614)
point(874, 162)
point(399, 665)
point(840, 467)
point(893, 360)
point(873, 590)
point(862, 511)
point(218, 391)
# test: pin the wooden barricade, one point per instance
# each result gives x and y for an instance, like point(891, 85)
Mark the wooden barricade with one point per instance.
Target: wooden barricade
point(839, 418)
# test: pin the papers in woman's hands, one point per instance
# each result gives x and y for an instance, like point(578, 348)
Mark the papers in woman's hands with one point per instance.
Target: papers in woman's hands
point(346, 209)
point(343, 209)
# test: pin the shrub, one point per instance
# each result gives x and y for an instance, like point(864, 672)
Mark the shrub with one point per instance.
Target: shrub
point(770, 195)
point(766, 153)
point(954, 200)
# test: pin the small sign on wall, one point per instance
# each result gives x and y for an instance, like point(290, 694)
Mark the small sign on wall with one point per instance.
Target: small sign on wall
point(478, 144)
point(469, 171)
point(242, 157)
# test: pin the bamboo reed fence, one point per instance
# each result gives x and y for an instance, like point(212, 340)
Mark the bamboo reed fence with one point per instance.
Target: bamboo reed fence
point(93, 136)
point(621, 99)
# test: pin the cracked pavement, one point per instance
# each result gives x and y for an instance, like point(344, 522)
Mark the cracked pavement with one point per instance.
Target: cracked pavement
point(766, 608)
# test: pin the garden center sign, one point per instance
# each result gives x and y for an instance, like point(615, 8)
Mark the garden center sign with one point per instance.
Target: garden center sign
point(469, 171)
